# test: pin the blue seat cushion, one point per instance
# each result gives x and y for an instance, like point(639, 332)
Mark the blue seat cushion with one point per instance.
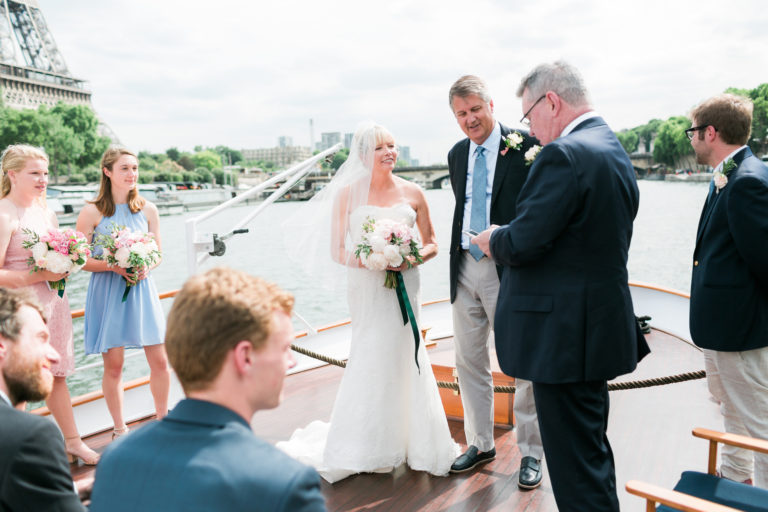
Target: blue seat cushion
point(722, 491)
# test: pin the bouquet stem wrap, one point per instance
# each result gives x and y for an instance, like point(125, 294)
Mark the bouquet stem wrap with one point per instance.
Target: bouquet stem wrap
point(407, 311)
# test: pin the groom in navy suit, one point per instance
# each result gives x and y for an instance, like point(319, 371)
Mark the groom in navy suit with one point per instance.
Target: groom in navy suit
point(729, 287)
point(565, 319)
point(229, 340)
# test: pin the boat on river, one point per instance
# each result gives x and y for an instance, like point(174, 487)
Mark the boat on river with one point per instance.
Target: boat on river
point(649, 427)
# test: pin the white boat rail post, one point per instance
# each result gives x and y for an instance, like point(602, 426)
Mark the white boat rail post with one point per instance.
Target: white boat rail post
point(204, 242)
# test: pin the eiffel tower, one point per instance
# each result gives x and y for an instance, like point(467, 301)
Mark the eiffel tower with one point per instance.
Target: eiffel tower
point(32, 69)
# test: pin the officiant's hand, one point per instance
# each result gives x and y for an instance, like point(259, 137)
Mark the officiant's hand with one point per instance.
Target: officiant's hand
point(483, 240)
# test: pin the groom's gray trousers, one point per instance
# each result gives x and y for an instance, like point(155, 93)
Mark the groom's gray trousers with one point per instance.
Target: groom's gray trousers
point(473, 311)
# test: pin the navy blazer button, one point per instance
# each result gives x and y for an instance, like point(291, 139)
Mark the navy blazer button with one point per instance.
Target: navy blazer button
point(696, 263)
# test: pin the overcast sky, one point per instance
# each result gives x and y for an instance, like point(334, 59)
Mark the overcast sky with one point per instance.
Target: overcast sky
point(241, 73)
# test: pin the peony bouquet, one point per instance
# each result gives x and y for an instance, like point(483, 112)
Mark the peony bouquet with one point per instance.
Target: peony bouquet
point(59, 251)
point(386, 243)
point(128, 249)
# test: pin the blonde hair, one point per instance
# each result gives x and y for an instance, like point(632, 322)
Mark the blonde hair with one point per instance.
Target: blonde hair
point(212, 313)
point(14, 158)
point(104, 201)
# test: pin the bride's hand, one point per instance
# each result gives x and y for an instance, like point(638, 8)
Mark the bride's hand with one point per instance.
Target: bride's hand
point(408, 262)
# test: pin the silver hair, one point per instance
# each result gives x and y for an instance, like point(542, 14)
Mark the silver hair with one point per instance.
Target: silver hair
point(468, 85)
point(559, 77)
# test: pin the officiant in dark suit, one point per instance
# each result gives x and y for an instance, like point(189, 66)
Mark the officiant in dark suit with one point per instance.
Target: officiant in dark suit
point(487, 171)
point(565, 319)
point(729, 286)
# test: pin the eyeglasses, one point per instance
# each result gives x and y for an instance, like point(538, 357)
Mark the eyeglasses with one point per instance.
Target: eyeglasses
point(689, 131)
point(524, 120)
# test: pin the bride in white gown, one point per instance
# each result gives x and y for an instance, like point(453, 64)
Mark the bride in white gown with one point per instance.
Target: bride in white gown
point(387, 410)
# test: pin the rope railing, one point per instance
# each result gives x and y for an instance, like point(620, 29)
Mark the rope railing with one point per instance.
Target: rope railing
point(613, 386)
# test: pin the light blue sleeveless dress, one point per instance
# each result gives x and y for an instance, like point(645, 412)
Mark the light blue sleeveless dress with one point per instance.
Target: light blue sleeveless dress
point(109, 322)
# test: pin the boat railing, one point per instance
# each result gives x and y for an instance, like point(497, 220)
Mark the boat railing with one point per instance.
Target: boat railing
point(211, 244)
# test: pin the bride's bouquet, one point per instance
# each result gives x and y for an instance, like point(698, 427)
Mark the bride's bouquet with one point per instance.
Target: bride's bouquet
point(59, 251)
point(386, 243)
point(128, 249)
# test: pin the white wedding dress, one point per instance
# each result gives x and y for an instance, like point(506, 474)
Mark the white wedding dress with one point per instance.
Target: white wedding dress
point(386, 411)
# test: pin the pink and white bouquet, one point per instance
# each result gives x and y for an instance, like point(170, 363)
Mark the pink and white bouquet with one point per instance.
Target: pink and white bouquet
point(128, 249)
point(59, 251)
point(387, 243)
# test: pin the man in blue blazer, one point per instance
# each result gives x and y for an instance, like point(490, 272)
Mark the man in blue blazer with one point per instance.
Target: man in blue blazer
point(729, 287)
point(474, 278)
point(564, 319)
point(228, 339)
point(34, 474)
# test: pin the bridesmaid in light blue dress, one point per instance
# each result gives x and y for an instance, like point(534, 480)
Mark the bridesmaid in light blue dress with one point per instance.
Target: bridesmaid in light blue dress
point(112, 325)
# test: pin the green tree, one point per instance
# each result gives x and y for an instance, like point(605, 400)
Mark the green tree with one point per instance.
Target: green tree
point(208, 159)
point(672, 144)
point(173, 153)
point(230, 156)
point(85, 126)
point(647, 131)
point(629, 140)
point(186, 162)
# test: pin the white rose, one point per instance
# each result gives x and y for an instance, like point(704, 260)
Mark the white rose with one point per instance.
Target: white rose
point(393, 256)
point(376, 261)
point(515, 138)
point(57, 262)
point(39, 251)
point(122, 255)
point(75, 268)
point(378, 243)
point(141, 249)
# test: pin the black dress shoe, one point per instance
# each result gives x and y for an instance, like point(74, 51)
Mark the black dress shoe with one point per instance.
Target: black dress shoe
point(530, 473)
point(471, 459)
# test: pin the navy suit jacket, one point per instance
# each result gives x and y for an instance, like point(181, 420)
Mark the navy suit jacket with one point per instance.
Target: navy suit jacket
point(729, 286)
point(34, 473)
point(564, 312)
point(201, 457)
point(508, 179)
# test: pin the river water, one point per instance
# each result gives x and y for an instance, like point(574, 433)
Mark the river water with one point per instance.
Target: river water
point(661, 253)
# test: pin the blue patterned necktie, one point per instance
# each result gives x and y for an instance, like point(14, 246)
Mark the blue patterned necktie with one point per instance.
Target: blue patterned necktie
point(477, 220)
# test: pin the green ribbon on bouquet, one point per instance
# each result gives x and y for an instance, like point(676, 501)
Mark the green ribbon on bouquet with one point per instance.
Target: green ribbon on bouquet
point(407, 312)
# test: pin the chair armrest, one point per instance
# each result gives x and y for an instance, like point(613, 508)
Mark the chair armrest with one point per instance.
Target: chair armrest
point(714, 437)
point(654, 494)
point(750, 443)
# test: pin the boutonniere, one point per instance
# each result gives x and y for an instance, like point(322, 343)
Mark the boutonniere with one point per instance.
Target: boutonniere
point(513, 140)
point(531, 154)
point(721, 177)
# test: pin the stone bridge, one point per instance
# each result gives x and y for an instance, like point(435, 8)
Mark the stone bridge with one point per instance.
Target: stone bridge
point(427, 176)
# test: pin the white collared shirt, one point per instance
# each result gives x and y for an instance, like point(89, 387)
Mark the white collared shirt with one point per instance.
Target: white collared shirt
point(5, 397)
point(491, 146)
point(719, 167)
point(573, 124)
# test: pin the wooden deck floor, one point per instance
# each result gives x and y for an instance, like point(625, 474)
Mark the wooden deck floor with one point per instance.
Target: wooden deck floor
point(649, 431)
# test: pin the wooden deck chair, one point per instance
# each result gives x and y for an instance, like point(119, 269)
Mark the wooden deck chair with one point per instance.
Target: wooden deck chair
point(705, 492)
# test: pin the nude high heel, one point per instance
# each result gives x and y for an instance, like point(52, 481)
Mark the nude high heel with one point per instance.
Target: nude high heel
point(120, 432)
point(81, 451)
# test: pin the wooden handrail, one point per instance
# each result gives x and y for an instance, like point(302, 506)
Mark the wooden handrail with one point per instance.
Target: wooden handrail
point(79, 313)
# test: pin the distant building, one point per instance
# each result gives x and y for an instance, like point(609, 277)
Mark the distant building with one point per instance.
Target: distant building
point(405, 155)
point(284, 141)
point(328, 139)
point(348, 140)
point(281, 156)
